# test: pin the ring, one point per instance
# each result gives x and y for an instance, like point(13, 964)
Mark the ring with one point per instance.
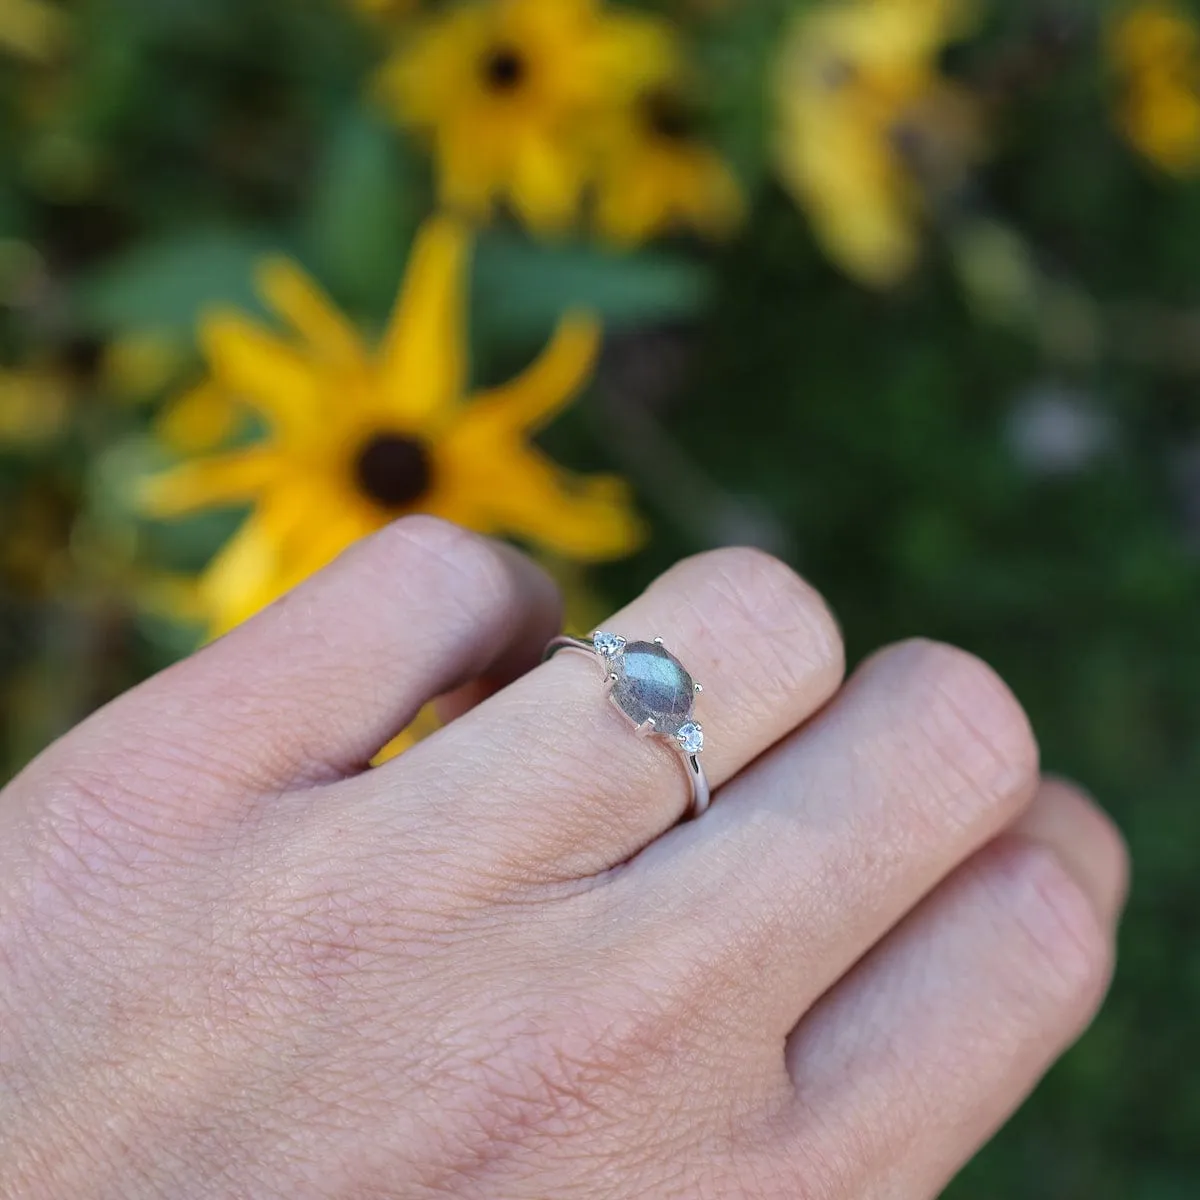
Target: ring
point(651, 687)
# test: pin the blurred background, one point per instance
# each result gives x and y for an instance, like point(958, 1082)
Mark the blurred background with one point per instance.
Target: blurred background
point(907, 291)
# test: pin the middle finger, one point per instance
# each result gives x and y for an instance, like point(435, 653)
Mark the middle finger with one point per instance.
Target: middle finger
point(826, 843)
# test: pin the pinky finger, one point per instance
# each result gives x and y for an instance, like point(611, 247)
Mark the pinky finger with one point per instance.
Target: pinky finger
point(910, 1064)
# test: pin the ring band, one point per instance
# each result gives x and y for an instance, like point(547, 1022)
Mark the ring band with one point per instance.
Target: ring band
point(654, 691)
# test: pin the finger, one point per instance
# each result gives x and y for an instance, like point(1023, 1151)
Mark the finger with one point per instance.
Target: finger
point(548, 780)
point(930, 1043)
point(825, 843)
point(311, 688)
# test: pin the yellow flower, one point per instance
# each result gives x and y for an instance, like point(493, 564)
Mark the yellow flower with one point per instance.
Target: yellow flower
point(501, 88)
point(513, 93)
point(202, 419)
point(868, 131)
point(535, 103)
point(137, 364)
point(358, 437)
point(35, 406)
point(31, 28)
point(654, 174)
point(1156, 50)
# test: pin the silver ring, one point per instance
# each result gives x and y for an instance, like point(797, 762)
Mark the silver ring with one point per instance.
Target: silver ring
point(653, 689)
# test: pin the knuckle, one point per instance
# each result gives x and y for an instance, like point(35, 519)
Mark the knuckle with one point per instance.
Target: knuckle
point(463, 573)
point(976, 728)
point(1062, 951)
point(448, 550)
point(783, 621)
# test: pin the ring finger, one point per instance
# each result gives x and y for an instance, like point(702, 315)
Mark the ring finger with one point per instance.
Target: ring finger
point(547, 780)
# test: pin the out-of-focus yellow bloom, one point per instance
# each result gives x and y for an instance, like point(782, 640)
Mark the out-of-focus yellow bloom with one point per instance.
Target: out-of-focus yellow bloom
point(1156, 50)
point(136, 365)
point(654, 173)
point(35, 405)
point(868, 131)
point(31, 28)
point(202, 419)
point(535, 103)
point(502, 89)
point(514, 96)
point(357, 438)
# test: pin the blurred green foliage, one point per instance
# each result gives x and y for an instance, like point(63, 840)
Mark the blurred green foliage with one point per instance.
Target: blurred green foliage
point(1025, 484)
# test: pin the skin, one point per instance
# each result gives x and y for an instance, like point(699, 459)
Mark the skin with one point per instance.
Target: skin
point(234, 962)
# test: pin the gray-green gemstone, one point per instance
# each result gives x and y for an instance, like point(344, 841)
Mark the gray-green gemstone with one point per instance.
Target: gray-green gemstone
point(652, 685)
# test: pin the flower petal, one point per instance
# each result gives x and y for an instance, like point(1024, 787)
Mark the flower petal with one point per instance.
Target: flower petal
point(468, 179)
point(548, 177)
point(223, 481)
point(281, 544)
point(296, 298)
point(424, 356)
point(585, 518)
point(546, 387)
point(240, 581)
point(263, 371)
point(200, 420)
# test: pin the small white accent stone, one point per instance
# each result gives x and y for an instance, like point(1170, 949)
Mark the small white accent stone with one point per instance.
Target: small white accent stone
point(691, 737)
point(608, 645)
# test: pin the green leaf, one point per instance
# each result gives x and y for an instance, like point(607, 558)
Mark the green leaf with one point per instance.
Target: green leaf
point(521, 289)
point(166, 285)
point(363, 211)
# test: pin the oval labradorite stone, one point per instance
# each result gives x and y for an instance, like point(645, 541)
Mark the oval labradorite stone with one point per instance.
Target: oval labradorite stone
point(652, 684)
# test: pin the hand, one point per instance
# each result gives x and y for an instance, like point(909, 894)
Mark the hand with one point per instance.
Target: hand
point(236, 963)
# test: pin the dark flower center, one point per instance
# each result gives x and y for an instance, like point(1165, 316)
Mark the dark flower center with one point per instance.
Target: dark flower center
point(668, 115)
point(394, 471)
point(504, 69)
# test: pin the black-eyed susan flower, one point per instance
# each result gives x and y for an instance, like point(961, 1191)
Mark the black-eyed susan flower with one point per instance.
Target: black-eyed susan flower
point(1156, 51)
point(31, 28)
point(502, 89)
point(654, 172)
point(869, 133)
point(357, 437)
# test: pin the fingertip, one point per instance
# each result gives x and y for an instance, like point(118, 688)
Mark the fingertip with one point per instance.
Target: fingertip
point(1065, 819)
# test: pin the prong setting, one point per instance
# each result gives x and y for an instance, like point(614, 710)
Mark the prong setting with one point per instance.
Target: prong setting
point(652, 688)
point(654, 692)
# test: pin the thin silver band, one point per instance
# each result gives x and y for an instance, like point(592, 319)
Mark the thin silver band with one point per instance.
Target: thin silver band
point(701, 793)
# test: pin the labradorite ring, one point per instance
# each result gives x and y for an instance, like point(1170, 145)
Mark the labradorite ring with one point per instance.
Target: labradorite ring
point(651, 687)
